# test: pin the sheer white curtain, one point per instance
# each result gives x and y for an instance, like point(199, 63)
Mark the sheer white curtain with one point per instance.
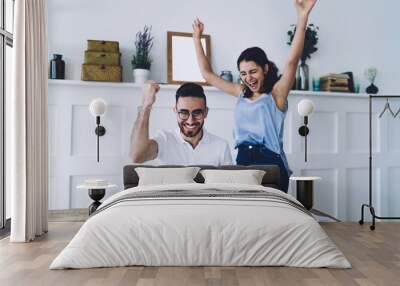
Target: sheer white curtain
point(26, 119)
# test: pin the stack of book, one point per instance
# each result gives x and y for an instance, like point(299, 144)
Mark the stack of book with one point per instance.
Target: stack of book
point(335, 82)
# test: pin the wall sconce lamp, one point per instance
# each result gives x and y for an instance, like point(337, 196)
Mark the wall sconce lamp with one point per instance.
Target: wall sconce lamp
point(304, 108)
point(97, 108)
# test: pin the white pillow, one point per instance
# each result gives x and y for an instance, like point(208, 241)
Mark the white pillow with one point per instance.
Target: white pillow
point(249, 177)
point(165, 176)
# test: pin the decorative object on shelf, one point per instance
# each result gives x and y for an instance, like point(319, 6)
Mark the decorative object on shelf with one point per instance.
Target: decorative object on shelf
point(182, 64)
point(372, 89)
point(103, 46)
point(96, 189)
point(356, 87)
point(97, 108)
point(57, 67)
point(302, 76)
point(310, 42)
point(101, 73)
point(350, 80)
point(226, 75)
point(141, 61)
point(335, 82)
point(370, 74)
point(315, 84)
point(102, 58)
point(102, 62)
point(140, 76)
point(305, 107)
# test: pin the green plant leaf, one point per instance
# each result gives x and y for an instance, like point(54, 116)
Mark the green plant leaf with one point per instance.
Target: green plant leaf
point(143, 44)
point(310, 40)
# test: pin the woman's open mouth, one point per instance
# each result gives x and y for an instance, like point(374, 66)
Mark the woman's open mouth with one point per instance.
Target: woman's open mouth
point(253, 85)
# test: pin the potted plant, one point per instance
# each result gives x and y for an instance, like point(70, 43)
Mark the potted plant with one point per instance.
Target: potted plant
point(370, 73)
point(141, 61)
point(310, 42)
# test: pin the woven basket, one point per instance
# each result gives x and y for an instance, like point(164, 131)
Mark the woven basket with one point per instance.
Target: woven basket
point(103, 46)
point(102, 58)
point(101, 73)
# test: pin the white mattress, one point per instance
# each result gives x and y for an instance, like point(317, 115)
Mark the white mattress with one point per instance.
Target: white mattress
point(200, 231)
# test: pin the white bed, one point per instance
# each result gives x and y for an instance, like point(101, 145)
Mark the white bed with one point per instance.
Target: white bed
point(268, 228)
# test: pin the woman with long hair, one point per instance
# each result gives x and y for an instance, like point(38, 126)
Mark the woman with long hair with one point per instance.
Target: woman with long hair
point(262, 99)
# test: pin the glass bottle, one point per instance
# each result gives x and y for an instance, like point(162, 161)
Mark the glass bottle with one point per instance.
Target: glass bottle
point(302, 76)
point(226, 75)
point(57, 67)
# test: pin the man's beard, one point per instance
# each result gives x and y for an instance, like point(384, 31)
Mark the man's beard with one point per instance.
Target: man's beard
point(191, 133)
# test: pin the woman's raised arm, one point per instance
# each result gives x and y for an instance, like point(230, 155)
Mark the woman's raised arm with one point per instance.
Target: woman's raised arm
point(282, 87)
point(205, 67)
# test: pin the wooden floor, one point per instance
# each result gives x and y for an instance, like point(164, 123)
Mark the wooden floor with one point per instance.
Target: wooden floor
point(374, 255)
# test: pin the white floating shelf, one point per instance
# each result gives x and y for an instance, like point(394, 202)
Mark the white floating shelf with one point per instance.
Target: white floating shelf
point(174, 87)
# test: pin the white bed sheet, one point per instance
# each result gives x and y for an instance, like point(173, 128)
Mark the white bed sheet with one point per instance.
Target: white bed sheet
point(200, 231)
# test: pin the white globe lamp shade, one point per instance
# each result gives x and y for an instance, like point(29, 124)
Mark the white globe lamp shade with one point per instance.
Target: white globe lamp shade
point(305, 107)
point(98, 107)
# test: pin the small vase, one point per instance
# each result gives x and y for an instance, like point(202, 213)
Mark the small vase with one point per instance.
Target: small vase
point(303, 76)
point(226, 75)
point(140, 76)
point(57, 67)
point(372, 89)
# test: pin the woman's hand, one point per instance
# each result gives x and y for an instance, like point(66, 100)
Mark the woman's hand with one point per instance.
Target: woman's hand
point(304, 7)
point(198, 28)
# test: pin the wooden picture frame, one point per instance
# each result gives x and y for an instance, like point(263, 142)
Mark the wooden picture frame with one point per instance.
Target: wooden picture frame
point(182, 63)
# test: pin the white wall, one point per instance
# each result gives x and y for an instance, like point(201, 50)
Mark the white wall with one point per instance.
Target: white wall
point(353, 34)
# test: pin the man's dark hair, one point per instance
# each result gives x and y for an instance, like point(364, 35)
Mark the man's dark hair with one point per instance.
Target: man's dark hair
point(257, 55)
point(191, 89)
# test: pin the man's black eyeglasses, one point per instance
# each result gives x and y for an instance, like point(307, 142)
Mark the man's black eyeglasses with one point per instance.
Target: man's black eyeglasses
point(197, 114)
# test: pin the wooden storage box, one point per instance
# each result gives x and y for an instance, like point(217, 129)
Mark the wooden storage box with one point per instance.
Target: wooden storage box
point(103, 46)
point(102, 58)
point(101, 73)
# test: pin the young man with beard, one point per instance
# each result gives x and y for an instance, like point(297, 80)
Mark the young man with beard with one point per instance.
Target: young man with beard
point(190, 144)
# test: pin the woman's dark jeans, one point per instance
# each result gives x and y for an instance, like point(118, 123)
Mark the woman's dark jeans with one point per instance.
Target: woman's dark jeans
point(260, 155)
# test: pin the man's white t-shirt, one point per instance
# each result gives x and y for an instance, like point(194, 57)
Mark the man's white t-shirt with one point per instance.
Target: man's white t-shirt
point(174, 150)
